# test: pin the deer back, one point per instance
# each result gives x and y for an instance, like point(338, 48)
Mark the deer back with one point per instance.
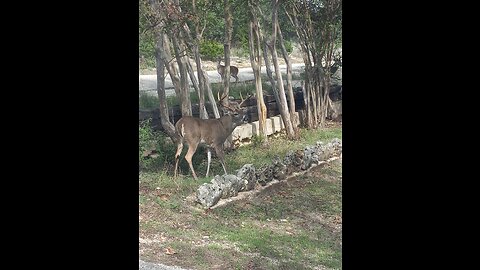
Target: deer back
point(209, 131)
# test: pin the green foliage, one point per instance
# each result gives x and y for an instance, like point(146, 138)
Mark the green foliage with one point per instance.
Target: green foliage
point(148, 102)
point(289, 46)
point(149, 140)
point(146, 40)
point(146, 47)
point(211, 50)
point(257, 140)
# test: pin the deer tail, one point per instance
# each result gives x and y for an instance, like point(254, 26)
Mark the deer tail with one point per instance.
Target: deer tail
point(180, 130)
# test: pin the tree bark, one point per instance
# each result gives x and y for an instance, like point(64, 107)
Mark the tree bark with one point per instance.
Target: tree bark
point(291, 98)
point(185, 102)
point(170, 65)
point(283, 106)
point(160, 64)
point(256, 62)
point(226, 46)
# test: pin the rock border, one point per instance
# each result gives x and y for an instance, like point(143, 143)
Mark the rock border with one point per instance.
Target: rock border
point(247, 178)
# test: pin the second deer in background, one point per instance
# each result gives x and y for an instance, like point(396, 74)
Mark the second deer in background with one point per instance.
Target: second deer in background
point(233, 70)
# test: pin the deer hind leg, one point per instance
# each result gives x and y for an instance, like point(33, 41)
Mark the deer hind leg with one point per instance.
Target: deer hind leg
point(209, 158)
point(191, 150)
point(177, 156)
point(219, 151)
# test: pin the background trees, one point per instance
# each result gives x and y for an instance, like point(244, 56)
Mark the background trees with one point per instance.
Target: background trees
point(171, 32)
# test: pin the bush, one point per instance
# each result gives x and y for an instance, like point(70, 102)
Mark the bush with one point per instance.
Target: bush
point(149, 140)
point(211, 50)
point(289, 46)
point(257, 140)
point(146, 101)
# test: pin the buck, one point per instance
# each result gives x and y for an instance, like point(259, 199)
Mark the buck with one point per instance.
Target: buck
point(233, 70)
point(212, 132)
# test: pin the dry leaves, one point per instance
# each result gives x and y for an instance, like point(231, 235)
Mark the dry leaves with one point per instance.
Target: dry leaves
point(170, 251)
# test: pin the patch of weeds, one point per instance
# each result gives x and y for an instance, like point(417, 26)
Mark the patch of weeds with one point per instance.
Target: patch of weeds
point(257, 140)
point(170, 204)
point(141, 199)
point(154, 151)
point(146, 101)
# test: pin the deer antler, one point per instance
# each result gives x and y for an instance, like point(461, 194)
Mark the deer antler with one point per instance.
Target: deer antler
point(243, 100)
point(218, 97)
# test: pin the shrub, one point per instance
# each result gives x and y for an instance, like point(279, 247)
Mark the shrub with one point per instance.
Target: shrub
point(289, 46)
point(257, 140)
point(146, 101)
point(211, 50)
point(148, 140)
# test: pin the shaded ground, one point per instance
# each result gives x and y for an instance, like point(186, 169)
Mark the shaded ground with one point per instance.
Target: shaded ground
point(296, 224)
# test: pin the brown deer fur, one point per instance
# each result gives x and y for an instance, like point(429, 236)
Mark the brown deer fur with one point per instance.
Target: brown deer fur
point(212, 132)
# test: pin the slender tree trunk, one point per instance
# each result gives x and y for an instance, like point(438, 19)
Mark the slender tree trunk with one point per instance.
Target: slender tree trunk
point(256, 62)
point(170, 65)
point(160, 64)
point(196, 85)
point(283, 106)
point(210, 95)
point(186, 105)
point(201, 82)
point(291, 97)
point(226, 46)
point(304, 33)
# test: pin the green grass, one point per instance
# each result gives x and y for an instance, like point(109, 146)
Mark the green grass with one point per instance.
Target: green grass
point(277, 230)
point(249, 154)
point(261, 228)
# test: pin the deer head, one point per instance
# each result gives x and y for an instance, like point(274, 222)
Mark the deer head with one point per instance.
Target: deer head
point(212, 132)
point(234, 109)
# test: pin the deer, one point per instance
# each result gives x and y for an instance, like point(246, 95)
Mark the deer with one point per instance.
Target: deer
point(212, 132)
point(233, 70)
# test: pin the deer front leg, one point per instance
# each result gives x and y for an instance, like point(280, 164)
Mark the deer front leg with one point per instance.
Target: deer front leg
point(177, 156)
point(209, 157)
point(191, 150)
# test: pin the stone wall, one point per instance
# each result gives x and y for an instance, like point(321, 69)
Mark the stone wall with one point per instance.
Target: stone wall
point(247, 177)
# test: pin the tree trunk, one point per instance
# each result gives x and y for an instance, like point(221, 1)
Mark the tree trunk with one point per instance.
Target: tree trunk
point(167, 126)
point(256, 62)
point(283, 106)
point(201, 82)
point(196, 85)
point(291, 98)
point(170, 65)
point(226, 46)
point(304, 33)
point(186, 105)
point(210, 95)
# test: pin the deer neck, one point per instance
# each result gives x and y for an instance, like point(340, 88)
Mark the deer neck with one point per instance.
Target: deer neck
point(227, 123)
